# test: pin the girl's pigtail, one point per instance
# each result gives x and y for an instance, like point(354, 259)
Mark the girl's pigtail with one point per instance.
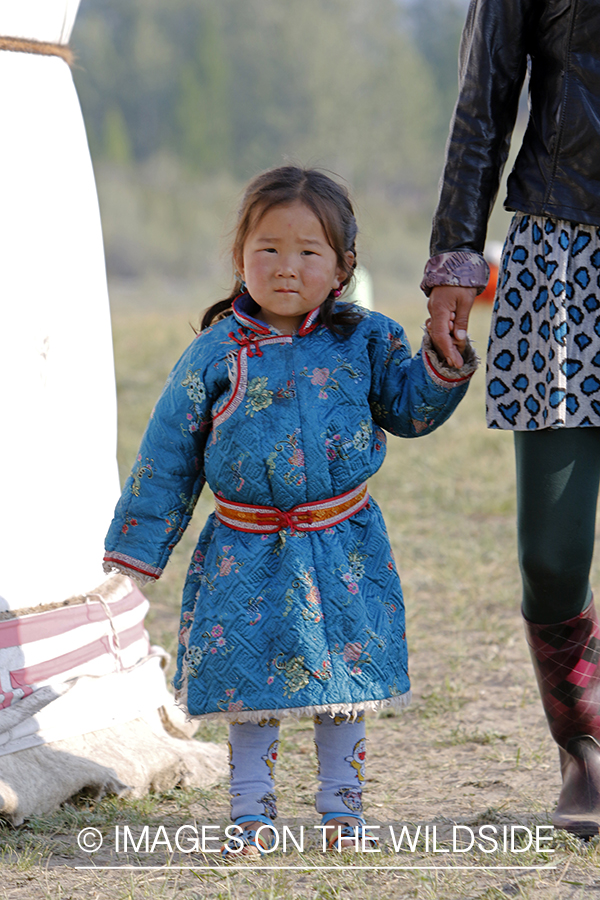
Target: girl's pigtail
point(342, 318)
point(218, 311)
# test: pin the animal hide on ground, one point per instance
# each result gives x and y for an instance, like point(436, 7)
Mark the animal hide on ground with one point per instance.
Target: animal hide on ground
point(152, 753)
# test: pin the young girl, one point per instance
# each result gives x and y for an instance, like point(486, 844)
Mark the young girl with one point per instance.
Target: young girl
point(292, 603)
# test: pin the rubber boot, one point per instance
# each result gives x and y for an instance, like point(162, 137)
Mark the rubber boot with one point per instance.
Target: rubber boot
point(566, 660)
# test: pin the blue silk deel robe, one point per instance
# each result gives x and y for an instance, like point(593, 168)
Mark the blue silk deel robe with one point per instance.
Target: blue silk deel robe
point(298, 621)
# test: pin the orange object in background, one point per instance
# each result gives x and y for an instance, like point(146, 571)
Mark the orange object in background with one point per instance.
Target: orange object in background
point(488, 294)
point(492, 255)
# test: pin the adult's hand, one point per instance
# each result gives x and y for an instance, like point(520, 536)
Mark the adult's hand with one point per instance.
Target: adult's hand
point(449, 307)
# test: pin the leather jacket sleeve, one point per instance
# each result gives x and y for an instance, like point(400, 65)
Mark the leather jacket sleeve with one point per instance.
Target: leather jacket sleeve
point(492, 65)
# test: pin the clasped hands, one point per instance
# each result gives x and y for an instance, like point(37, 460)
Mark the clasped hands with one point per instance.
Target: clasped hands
point(449, 309)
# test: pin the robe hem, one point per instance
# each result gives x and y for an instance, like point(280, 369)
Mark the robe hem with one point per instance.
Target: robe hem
point(400, 701)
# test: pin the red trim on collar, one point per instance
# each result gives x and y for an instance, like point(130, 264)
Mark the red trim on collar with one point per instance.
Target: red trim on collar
point(310, 321)
point(244, 319)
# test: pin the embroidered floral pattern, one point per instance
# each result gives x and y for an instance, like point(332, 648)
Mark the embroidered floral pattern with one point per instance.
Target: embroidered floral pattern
point(257, 395)
point(288, 392)
point(355, 571)
point(227, 564)
point(195, 387)
point(214, 643)
point(175, 517)
point(236, 471)
point(229, 704)
point(362, 438)
point(196, 391)
point(355, 656)
point(390, 609)
point(337, 447)
point(356, 562)
point(395, 343)
point(323, 673)
point(379, 410)
point(196, 566)
point(427, 416)
point(312, 611)
point(184, 632)
point(304, 583)
point(352, 651)
point(296, 673)
point(253, 609)
point(320, 377)
point(290, 445)
point(128, 523)
point(193, 424)
point(193, 658)
point(381, 440)
point(138, 474)
point(324, 378)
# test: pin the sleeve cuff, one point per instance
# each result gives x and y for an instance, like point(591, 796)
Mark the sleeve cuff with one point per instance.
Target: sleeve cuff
point(462, 268)
point(140, 571)
point(441, 373)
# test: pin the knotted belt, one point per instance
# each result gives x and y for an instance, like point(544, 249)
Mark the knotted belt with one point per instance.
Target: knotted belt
point(313, 516)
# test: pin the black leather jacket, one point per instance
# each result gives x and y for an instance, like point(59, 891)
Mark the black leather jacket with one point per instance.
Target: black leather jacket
point(557, 171)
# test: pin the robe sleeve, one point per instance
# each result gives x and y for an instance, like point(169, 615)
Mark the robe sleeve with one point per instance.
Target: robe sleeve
point(413, 395)
point(161, 492)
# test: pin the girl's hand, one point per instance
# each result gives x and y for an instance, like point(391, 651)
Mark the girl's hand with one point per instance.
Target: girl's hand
point(450, 307)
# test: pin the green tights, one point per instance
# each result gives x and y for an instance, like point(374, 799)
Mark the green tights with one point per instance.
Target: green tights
point(558, 472)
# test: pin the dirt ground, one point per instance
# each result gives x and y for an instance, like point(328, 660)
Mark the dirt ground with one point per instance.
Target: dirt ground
point(467, 756)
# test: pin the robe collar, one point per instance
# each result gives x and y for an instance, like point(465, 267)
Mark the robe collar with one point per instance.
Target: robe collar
point(243, 303)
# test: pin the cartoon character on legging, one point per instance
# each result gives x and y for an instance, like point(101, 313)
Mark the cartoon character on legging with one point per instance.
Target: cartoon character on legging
point(351, 798)
point(357, 760)
point(271, 757)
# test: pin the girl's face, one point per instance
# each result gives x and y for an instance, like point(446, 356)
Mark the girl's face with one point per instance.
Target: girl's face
point(288, 265)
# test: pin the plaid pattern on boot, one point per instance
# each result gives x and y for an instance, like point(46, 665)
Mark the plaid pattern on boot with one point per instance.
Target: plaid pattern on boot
point(566, 659)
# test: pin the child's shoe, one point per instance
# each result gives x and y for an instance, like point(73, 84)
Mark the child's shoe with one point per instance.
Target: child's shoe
point(347, 833)
point(248, 844)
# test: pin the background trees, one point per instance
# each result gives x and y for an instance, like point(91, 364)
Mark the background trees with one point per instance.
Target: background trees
point(185, 100)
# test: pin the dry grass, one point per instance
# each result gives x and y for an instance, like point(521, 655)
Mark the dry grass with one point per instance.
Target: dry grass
point(473, 749)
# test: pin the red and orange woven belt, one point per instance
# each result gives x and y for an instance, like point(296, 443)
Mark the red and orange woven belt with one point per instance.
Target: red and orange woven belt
point(313, 516)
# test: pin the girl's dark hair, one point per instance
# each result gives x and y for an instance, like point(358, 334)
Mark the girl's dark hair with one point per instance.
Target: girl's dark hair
point(330, 203)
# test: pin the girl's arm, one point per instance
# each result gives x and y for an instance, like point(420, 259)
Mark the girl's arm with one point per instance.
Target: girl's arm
point(160, 494)
point(413, 395)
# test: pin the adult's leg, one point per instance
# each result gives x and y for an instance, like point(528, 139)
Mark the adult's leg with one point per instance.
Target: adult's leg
point(558, 473)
